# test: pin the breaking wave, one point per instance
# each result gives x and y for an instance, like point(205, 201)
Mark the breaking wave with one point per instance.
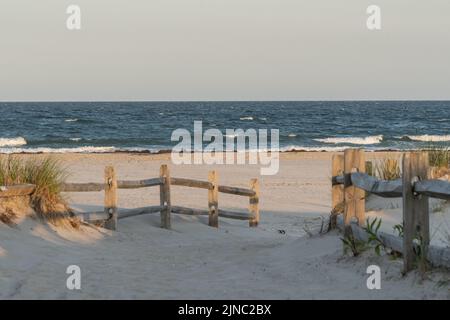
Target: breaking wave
point(352, 140)
point(12, 142)
point(428, 138)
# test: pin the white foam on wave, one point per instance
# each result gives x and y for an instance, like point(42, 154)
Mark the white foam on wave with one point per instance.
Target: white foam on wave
point(292, 135)
point(329, 149)
point(85, 149)
point(12, 142)
point(75, 139)
point(92, 149)
point(246, 118)
point(352, 140)
point(430, 138)
point(71, 120)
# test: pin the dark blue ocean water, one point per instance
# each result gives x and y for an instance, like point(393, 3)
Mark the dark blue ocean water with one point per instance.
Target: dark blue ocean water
point(137, 126)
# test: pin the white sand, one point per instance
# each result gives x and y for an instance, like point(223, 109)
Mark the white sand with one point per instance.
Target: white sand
point(194, 261)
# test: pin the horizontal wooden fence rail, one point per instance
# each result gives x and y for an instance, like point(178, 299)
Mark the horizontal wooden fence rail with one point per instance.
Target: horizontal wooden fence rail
point(111, 214)
point(121, 184)
point(433, 189)
point(394, 188)
point(222, 213)
point(237, 191)
point(350, 183)
point(125, 213)
point(139, 211)
point(209, 186)
point(191, 183)
point(125, 184)
point(82, 187)
point(438, 256)
point(93, 216)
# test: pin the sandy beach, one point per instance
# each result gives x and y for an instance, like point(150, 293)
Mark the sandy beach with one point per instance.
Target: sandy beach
point(225, 150)
point(284, 258)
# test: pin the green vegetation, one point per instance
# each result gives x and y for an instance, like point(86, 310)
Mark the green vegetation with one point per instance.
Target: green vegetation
point(399, 229)
point(355, 246)
point(46, 174)
point(372, 229)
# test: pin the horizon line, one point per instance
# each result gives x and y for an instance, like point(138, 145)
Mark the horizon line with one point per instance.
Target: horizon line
point(245, 100)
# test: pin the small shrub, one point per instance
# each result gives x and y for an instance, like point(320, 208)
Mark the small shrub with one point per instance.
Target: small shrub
point(372, 229)
point(399, 229)
point(373, 241)
point(355, 246)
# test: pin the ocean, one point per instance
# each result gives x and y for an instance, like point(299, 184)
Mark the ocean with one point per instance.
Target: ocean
point(147, 126)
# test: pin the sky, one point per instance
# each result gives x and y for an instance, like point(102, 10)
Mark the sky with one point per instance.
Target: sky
point(176, 50)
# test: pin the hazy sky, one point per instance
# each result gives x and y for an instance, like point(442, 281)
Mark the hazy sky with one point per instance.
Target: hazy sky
point(224, 50)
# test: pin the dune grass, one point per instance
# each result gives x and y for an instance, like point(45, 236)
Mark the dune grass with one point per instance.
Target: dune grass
point(387, 169)
point(47, 174)
point(439, 156)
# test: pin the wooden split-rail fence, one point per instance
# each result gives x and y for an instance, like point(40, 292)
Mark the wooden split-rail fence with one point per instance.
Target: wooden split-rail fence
point(111, 213)
point(350, 182)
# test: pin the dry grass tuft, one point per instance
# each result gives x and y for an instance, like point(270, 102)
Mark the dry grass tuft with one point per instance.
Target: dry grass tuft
point(47, 175)
point(388, 169)
point(439, 156)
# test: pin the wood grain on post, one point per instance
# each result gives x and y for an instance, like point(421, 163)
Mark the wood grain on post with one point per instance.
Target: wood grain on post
point(337, 191)
point(164, 196)
point(354, 198)
point(415, 207)
point(111, 198)
point(254, 203)
point(213, 200)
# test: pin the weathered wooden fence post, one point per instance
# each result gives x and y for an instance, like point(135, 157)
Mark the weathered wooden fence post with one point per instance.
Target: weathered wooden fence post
point(354, 198)
point(111, 198)
point(337, 191)
point(213, 199)
point(164, 197)
point(415, 208)
point(254, 203)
